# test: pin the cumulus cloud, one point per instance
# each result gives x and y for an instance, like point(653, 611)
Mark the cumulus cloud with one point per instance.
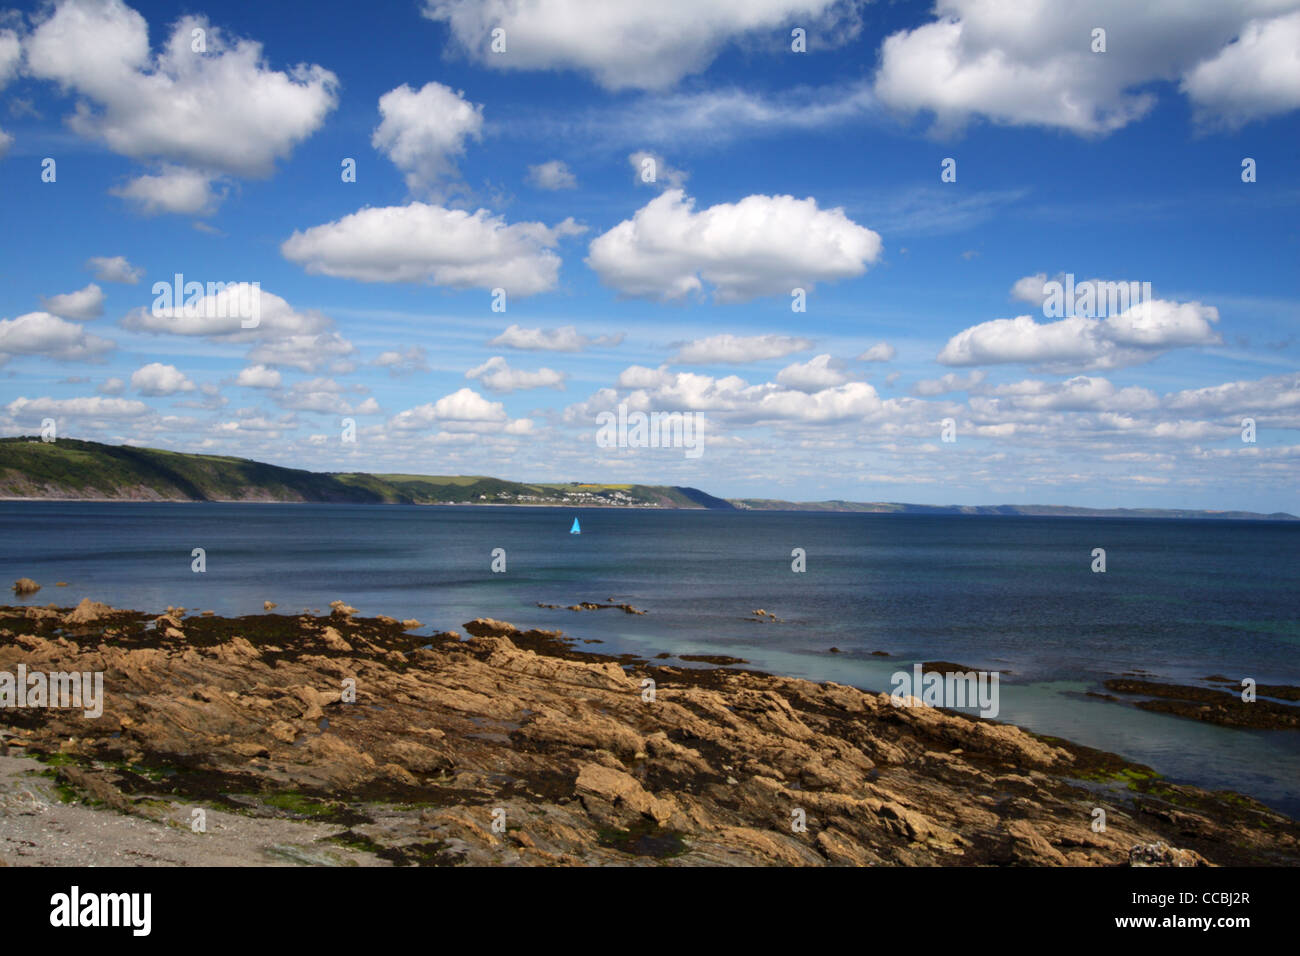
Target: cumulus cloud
point(222, 110)
point(111, 386)
point(424, 132)
point(283, 335)
point(552, 175)
point(564, 339)
point(10, 54)
point(739, 349)
point(40, 333)
point(84, 304)
point(258, 376)
point(817, 373)
point(1273, 394)
point(1030, 289)
point(1033, 64)
point(157, 379)
point(732, 399)
point(175, 189)
point(307, 353)
point(326, 396)
point(1255, 76)
point(624, 45)
point(404, 362)
point(420, 242)
point(222, 314)
point(114, 269)
point(930, 387)
point(1079, 394)
point(34, 409)
point(652, 169)
point(880, 352)
point(762, 245)
point(462, 410)
point(1136, 335)
point(497, 376)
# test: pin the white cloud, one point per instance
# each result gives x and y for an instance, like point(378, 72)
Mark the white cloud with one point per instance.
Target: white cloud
point(624, 45)
point(222, 315)
point(112, 386)
point(1032, 64)
point(1256, 75)
point(930, 387)
point(1030, 289)
point(10, 54)
point(404, 362)
point(564, 339)
point(1079, 394)
point(84, 304)
point(223, 110)
point(880, 352)
point(812, 376)
point(462, 406)
point(159, 379)
point(646, 164)
point(498, 376)
point(323, 395)
point(739, 349)
point(732, 399)
point(40, 333)
point(1136, 335)
point(258, 376)
point(34, 409)
point(1272, 394)
point(424, 132)
point(553, 175)
point(175, 189)
point(307, 353)
point(762, 245)
point(114, 269)
point(427, 243)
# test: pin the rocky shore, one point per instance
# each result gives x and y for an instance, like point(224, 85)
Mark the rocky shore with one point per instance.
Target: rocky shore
point(514, 747)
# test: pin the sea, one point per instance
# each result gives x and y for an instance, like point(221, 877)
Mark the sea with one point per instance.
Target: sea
point(1179, 600)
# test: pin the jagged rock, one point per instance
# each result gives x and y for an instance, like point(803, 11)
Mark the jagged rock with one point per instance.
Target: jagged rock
point(25, 586)
point(87, 612)
point(1160, 854)
point(490, 627)
point(442, 732)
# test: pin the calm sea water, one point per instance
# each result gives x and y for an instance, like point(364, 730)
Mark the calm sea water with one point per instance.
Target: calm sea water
point(1180, 599)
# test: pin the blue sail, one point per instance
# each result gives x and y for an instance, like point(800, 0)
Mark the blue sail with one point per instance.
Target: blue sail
point(575, 529)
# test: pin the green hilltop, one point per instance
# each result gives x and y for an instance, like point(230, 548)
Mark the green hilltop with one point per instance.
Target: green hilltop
point(74, 469)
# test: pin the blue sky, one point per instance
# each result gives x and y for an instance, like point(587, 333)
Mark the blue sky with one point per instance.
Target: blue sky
point(775, 169)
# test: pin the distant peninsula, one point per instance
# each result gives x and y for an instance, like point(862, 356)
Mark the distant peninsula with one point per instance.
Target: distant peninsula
point(74, 470)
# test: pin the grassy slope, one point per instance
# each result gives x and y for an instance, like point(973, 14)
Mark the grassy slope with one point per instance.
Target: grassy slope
point(70, 468)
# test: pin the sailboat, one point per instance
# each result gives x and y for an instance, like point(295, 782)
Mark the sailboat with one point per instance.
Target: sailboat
point(576, 529)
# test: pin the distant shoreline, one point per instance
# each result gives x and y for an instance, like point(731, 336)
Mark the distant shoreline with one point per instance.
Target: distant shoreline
point(810, 508)
point(68, 469)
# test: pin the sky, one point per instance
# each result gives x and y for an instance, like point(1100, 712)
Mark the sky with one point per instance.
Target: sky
point(830, 229)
